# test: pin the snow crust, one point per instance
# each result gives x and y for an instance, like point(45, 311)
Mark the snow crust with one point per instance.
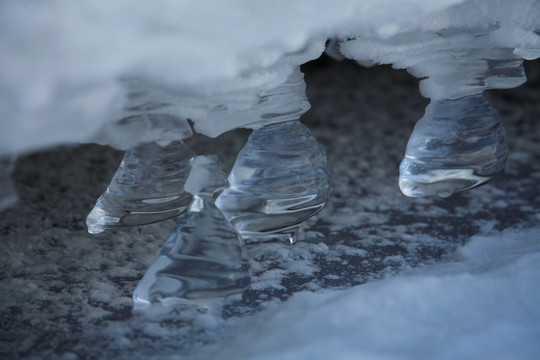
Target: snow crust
point(67, 294)
point(63, 62)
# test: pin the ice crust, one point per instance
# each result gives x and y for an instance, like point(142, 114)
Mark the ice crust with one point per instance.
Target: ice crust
point(64, 65)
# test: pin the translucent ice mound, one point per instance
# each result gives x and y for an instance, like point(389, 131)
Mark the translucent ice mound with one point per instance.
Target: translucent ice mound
point(147, 187)
point(123, 73)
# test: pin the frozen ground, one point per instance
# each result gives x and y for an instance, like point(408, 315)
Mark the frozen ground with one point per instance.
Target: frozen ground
point(378, 275)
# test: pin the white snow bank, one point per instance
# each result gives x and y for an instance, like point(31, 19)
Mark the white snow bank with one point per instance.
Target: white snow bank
point(468, 47)
point(483, 304)
point(62, 60)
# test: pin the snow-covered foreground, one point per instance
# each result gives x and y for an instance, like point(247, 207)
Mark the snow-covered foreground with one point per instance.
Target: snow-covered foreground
point(481, 304)
point(376, 275)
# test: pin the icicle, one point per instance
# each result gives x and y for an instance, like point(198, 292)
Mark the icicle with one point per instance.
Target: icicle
point(279, 179)
point(147, 187)
point(457, 145)
point(204, 257)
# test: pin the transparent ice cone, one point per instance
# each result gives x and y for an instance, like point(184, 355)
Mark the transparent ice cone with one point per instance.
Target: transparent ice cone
point(279, 179)
point(147, 187)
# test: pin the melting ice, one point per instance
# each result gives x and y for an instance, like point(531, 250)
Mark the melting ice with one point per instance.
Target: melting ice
point(75, 73)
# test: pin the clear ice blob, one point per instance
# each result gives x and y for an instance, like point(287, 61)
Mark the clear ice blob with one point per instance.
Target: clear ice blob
point(8, 195)
point(457, 145)
point(205, 257)
point(147, 187)
point(279, 179)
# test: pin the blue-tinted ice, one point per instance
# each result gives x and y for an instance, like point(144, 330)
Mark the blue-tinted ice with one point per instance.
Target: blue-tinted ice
point(8, 195)
point(279, 179)
point(457, 145)
point(147, 187)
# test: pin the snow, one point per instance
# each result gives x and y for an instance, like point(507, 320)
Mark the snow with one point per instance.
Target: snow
point(375, 275)
point(482, 303)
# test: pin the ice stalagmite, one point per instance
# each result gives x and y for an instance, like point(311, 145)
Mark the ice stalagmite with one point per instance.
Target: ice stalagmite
point(147, 187)
point(279, 179)
point(205, 256)
point(457, 145)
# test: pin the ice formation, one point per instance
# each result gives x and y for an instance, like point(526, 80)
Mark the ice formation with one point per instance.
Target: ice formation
point(143, 77)
point(65, 66)
point(457, 145)
point(74, 73)
point(147, 187)
point(280, 177)
point(76, 81)
point(470, 47)
point(205, 256)
point(149, 114)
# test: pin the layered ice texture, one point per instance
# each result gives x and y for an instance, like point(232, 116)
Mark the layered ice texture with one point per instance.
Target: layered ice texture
point(147, 187)
point(72, 73)
point(65, 66)
point(457, 145)
point(279, 179)
point(205, 256)
point(129, 74)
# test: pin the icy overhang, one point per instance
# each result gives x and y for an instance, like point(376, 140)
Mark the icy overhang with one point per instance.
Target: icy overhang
point(68, 69)
point(64, 62)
